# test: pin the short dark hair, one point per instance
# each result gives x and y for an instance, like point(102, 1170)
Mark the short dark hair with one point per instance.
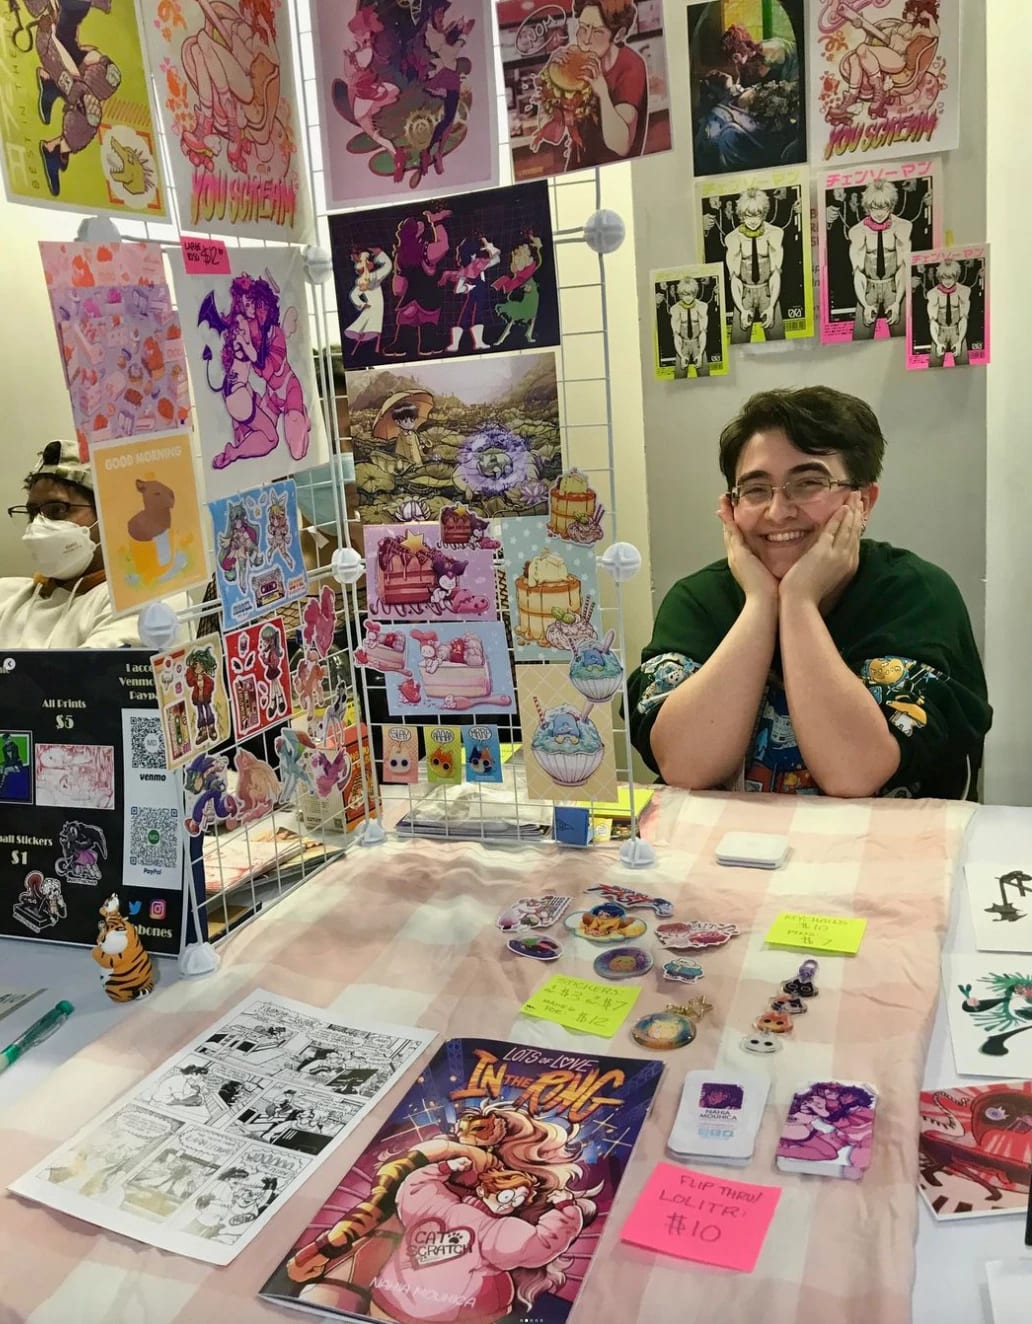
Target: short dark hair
point(83, 493)
point(818, 420)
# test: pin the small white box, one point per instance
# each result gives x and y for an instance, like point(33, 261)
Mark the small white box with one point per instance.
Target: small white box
point(752, 850)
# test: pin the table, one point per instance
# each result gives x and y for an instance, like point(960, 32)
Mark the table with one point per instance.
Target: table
point(405, 932)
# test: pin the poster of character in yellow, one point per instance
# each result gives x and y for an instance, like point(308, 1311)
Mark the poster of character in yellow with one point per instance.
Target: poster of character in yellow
point(76, 127)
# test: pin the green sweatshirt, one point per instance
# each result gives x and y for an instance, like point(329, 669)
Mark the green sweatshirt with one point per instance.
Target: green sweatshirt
point(901, 626)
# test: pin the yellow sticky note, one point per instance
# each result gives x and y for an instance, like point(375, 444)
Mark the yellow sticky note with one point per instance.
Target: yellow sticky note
point(818, 933)
point(581, 1004)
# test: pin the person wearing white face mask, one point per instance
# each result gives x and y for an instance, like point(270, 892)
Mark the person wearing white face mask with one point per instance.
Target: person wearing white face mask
point(66, 603)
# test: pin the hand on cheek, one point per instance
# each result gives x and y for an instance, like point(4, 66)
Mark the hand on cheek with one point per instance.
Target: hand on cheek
point(822, 572)
point(752, 576)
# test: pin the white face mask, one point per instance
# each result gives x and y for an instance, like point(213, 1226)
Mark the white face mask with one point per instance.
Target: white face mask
point(59, 548)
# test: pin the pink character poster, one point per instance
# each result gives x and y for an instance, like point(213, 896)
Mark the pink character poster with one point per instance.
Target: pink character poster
point(259, 676)
point(884, 79)
point(948, 308)
point(411, 576)
point(225, 76)
point(406, 98)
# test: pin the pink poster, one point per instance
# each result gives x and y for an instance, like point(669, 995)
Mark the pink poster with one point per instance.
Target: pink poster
point(948, 308)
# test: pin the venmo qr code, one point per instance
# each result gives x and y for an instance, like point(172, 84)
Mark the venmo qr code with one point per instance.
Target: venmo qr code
point(153, 838)
point(147, 744)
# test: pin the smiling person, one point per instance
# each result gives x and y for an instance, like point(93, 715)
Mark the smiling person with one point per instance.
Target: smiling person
point(811, 659)
point(66, 603)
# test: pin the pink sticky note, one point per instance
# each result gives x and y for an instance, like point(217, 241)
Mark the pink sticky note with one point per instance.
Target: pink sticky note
point(699, 1217)
point(204, 257)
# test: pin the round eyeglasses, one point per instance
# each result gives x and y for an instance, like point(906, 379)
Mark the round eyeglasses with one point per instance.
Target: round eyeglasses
point(798, 491)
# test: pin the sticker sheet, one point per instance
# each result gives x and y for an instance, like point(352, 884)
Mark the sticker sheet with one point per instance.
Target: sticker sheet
point(758, 228)
point(884, 79)
point(975, 1150)
point(583, 89)
point(250, 359)
point(258, 562)
point(119, 338)
point(459, 667)
point(553, 591)
point(485, 434)
point(568, 738)
point(259, 676)
point(208, 1148)
point(690, 328)
point(77, 129)
point(869, 221)
point(747, 70)
point(410, 575)
point(192, 697)
point(989, 1001)
point(406, 99)
point(468, 275)
point(225, 84)
point(1001, 906)
point(150, 518)
point(948, 308)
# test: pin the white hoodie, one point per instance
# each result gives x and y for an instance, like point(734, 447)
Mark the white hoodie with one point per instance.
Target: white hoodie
point(36, 613)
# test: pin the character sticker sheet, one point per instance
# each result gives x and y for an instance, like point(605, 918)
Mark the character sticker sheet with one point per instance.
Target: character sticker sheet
point(87, 805)
point(259, 676)
point(192, 697)
point(406, 99)
point(975, 1149)
point(411, 575)
point(581, 91)
point(225, 77)
point(989, 1001)
point(120, 341)
point(460, 667)
point(258, 562)
point(77, 129)
point(884, 79)
point(870, 221)
point(434, 278)
point(690, 329)
point(747, 69)
point(553, 591)
point(1001, 906)
point(568, 736)
point(758, 228)
point(567, 1127)
point(485, 435)
point(200, 1155)
point(250, 358)
point(948, 308)
point(150, 518)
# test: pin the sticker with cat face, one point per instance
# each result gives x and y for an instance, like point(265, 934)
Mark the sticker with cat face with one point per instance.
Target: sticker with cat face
point(400, 756)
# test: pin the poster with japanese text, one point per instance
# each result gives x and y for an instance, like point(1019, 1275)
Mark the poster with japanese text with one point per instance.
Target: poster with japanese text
point(948, 308)
point(689, 326)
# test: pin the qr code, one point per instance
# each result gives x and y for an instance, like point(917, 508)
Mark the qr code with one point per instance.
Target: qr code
point(147, 741)
point(153, 838)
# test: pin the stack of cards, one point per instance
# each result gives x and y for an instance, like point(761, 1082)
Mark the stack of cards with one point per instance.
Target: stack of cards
point(829, 1130)
point(752, 850)
point(719, 1116)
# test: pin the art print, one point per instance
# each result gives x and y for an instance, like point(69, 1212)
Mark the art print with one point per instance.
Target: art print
point(948, 308)
point(406, 99)
point(16, 767)
point(483, 755)
point(884, 78)
point(553, 591)
point(567, 738)
point(458, 667)
point(411, 576)
point(486, 434)
point(258, 562)
point(829, 1130)
point(1001, 907)
point(77, 126)
point(225, 79)
point(870, 221)
point(259, 676)
point(975, 1149)
point(467, 276)
point(250, 359)
point(748, 82)
point(75, 776)
point(689, 328)
point(145, 490)
point(989, 1001)
point(758, 228)
point(586, 84)
point(191, 690)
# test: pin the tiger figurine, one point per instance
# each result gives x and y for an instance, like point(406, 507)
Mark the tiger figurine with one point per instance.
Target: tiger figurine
point(125, 968)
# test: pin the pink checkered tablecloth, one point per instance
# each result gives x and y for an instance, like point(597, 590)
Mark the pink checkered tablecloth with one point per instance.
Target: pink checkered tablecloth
point(406, 933)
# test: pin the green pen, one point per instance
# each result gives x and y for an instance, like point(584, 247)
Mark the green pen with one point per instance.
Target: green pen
point(35, 1034)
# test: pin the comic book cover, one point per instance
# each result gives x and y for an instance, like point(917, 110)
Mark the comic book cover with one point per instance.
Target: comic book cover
point(975, 1149)
point(225, 77)
point(77, 129)
point(884, 78)
point(758, 227)
point(689, 329)
point(948, 308)
point(483, 1196)
point(406, 98)
point(870, 220)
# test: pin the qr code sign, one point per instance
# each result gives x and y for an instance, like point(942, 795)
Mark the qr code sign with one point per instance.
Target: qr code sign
point(153, 838)
point(147, 741)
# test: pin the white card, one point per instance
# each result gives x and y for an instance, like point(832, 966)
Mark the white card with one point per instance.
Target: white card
point(1000, 897)
point(1010, 1290)
point(989, 1004)
point(719, 1115)
point(753, 850)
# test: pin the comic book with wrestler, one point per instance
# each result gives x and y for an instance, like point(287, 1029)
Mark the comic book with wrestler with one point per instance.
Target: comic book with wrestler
point(484, 1195)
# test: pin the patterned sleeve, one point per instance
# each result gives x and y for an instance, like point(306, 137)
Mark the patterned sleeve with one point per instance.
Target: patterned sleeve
point(654, 680)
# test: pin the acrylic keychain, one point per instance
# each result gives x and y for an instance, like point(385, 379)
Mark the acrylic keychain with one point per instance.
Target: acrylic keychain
point(673, 1028)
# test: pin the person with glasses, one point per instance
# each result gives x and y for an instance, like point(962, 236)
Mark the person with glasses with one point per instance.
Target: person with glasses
point(65, 605)
point(811, 659)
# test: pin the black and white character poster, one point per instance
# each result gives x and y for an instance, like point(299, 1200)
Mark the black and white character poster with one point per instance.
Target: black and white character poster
point(948, 308)
point(690, 333)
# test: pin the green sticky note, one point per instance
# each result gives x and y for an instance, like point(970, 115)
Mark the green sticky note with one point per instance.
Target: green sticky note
point(582, 1004)
point(817, 933)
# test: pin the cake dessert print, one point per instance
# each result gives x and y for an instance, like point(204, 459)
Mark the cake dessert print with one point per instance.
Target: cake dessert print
point(553, 590)
point(457, 667)
point(410, 575)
